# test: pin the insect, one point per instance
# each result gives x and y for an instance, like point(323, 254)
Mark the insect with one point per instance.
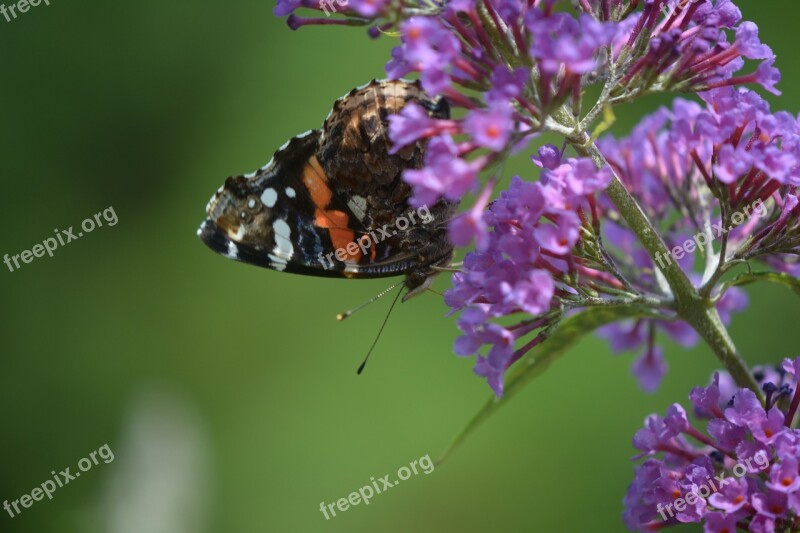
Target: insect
point(330, 201)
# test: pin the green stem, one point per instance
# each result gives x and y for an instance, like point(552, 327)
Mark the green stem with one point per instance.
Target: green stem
point(706, 321)
point(691, 307)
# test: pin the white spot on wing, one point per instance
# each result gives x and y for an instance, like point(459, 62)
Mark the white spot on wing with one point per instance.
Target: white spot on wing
point(290, 192)
point(283, 242)
point(269, 197)
point(251, 203)
point(358, 205)
point(233, 250)
point(277, 262)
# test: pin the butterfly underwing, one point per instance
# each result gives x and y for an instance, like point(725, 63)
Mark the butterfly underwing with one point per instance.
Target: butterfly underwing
point(329, 201)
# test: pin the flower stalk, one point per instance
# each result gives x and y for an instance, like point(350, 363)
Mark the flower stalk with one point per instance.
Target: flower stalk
point(691, 307)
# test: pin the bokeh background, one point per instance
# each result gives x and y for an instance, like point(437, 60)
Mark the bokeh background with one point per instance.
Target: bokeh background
point(228, 393)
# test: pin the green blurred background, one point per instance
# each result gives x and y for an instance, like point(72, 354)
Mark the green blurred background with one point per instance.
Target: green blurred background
point(228, 393)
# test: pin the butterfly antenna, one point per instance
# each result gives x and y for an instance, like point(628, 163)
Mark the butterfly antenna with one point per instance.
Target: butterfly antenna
point(342, 316)
point(378, 336)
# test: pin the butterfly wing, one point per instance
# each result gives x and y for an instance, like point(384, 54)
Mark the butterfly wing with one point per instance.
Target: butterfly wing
point(287, 217)
point(330, 201)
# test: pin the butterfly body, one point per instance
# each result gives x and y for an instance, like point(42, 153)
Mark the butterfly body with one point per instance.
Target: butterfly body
point(331, 201)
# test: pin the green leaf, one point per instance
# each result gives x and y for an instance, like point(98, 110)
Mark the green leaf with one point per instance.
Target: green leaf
point(608, 120)
point(774, 277)
point(567, 333)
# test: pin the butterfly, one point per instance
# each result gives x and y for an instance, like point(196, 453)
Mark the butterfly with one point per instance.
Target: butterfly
point(332, 201)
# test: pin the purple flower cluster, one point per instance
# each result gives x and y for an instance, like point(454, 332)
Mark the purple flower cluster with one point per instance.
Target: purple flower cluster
point(741, 473)
point(733, 148)
point(528, 58)
point(525, 260)
point(673, 162)
point(560, 40)
point(726, 172)
point(688, 48)
point(714, 184)
point(454, 49)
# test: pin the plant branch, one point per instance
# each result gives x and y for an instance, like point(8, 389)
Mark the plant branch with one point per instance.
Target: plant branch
point(699, 312)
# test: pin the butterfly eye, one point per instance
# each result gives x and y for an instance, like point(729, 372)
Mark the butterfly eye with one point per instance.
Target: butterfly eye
point(246, 217)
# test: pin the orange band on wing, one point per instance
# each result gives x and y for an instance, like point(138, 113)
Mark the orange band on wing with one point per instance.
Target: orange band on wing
point(316, 183)
point(341, 238)
point(335, 221)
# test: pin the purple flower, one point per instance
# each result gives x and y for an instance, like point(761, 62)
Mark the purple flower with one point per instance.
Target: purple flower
point(490, 128)
point(493, 366)
point(719, 480)
point(445, 173)
point(581, 177)
point(650, 369)
point(429, 48)
point(746, 409)
point(771, 504)
point(284, 7)
point(733, 162)
point(720, 523)
point(768, 76)
point(762, 524)
point(731, 497)
point(560, 237)
point(510, 11)
point(558, 39)
point(549, 157)
point(531, 293)
point(748, 44)
point(768, 428)
point(783, 477)
point(624, 336)
point(409, 125)
point(368, 8)
point(534, 229)
point(428, 187)
point(791, 366)
point(468, 227)
point(706, 400)
point(506, 84)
